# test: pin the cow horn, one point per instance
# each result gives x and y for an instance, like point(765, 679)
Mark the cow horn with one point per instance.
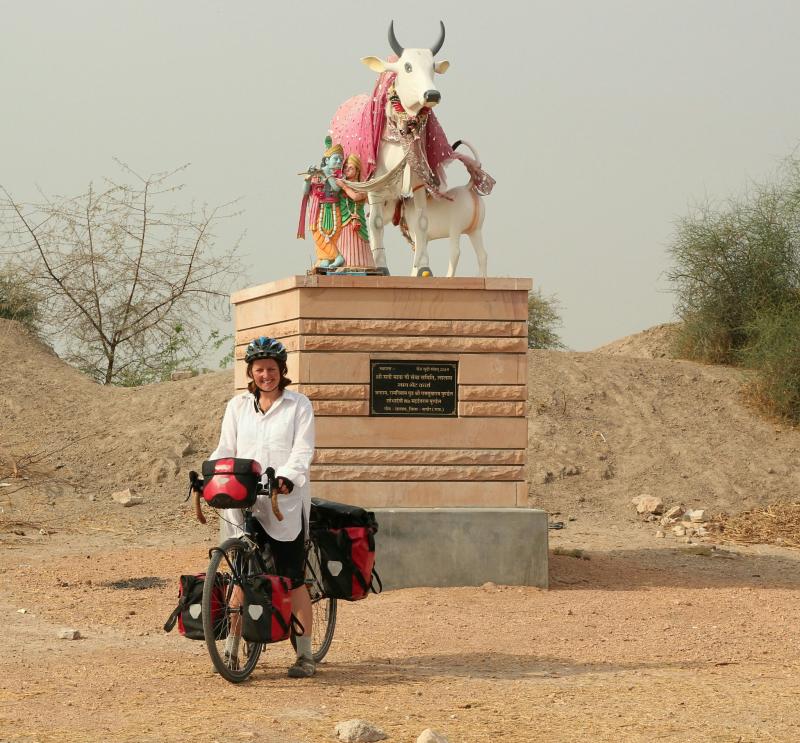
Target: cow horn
point(438, 45)
point(393, 42)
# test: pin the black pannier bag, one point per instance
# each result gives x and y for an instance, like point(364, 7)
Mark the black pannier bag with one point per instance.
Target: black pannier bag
point(346, 538)
point(267, 609)
point(188, 612)
point(231, 482)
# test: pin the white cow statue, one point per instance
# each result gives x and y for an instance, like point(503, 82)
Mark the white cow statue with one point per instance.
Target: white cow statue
point(404, 150)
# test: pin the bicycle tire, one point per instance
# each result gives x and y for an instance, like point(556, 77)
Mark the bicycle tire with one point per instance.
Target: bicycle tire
point(323, 623)
point(228, 564)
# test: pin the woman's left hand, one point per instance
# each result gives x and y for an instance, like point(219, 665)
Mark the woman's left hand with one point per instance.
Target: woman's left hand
point(285, 485)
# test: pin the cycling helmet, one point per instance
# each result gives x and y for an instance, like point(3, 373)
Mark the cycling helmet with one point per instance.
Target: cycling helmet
point(265, 348)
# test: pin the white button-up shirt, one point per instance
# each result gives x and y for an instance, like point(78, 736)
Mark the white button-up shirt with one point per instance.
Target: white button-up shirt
point(282, 438)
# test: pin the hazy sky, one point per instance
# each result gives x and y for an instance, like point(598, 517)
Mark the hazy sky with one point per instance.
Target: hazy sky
point(601, 120)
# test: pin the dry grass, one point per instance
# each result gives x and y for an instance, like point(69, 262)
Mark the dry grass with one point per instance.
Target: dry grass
point(776, 524)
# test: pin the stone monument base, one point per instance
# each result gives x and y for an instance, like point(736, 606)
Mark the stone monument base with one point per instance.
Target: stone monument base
point(461, 547)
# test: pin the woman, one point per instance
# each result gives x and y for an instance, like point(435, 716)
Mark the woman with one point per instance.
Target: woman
point(274, 426)
point(354, 240)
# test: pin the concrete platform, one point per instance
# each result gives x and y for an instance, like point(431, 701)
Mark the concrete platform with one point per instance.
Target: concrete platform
point(461, 547)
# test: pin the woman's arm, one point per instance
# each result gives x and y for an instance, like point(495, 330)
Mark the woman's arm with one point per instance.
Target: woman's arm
point(354, 195)
point(299, 462)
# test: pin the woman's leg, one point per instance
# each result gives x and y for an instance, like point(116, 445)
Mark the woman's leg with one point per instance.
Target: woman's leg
point(301, 606)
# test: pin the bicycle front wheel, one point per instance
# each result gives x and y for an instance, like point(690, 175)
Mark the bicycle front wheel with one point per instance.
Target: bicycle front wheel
point(233, 657)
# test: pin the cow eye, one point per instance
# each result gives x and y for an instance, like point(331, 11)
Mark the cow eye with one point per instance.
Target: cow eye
point(408, 66)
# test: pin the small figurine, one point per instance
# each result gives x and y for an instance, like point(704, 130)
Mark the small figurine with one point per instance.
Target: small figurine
point(325, 216)
point(354, 239)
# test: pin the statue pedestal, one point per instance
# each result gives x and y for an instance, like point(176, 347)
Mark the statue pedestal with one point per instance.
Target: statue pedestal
point(419, 387)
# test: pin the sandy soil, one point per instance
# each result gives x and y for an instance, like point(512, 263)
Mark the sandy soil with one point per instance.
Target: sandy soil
point(644, 640)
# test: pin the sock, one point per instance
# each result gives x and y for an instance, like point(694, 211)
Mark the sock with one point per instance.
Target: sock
point(232, 645)
point(303, 646)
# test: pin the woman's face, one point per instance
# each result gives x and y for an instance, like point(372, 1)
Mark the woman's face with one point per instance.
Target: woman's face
point(350, 171)
point(266, 374)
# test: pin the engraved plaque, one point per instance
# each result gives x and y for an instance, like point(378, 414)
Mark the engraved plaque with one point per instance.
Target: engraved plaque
point(417, 388)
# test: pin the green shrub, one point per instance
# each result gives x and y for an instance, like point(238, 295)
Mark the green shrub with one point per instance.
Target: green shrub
point(774, 354)
point(543, 319)
point(734, 265)
point(737, 283)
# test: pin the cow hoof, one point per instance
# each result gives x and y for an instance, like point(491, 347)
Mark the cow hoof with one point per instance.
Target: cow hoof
point(425, 271)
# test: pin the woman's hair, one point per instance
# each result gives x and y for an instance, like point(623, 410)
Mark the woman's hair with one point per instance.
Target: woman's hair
point(282, 368)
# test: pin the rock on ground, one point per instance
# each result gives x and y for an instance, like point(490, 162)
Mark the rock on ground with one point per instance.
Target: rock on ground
point(358, 731)
point(431, 736)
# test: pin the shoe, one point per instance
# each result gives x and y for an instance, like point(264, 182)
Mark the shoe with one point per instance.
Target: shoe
point(303, 668)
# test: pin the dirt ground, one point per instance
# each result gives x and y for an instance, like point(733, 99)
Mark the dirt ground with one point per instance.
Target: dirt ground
point(639, 638)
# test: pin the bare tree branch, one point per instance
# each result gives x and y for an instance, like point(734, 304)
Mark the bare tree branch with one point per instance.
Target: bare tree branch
point(127, 278)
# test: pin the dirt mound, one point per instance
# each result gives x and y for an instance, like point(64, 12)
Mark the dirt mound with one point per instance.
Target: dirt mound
point(81, 441)
point(604, 427)
point(653, 343)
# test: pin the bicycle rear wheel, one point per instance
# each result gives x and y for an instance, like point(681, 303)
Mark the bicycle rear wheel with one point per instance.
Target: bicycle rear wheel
point(323, 609)
point(221, 609)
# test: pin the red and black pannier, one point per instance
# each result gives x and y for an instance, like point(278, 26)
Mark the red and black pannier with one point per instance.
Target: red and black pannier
point(231, 482)
point(188, 612)
point(346, 538)
point(267, 609)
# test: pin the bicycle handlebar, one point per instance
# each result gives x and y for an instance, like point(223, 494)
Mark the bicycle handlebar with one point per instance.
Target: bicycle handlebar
point(269, 487)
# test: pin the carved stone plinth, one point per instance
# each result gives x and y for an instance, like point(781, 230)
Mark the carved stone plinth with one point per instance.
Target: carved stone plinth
point(334, 328)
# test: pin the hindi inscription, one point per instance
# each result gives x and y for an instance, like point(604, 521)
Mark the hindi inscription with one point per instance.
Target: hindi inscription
point(419, 388)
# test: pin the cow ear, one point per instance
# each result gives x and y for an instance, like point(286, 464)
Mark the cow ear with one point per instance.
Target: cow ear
point(374, 63)
point(441, 67)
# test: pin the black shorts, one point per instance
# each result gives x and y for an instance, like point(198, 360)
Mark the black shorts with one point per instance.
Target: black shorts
point(290, 557)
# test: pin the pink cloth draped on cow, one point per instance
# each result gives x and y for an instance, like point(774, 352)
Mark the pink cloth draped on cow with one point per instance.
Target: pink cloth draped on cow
point(358, 125)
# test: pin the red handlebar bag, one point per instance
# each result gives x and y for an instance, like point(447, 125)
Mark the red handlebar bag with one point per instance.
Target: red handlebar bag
point(230, 482)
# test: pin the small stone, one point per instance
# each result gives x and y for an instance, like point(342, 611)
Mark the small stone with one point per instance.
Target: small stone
point(572, 518)
point(180, 374)
point(22, 611)
point(431, 736)
point(126, 498)
point(572, 470)
point(687, 540)
point(701, 531)
point(69, 634)
point(698, 515)
point(489, 585)
point(660, 534)
point(678, 531)
point(358, 731)
point(649, 504)
point(674, 513)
